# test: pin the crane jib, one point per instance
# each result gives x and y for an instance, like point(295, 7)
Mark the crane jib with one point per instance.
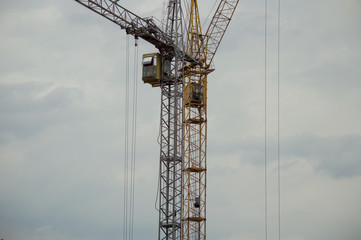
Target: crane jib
point(144, 28)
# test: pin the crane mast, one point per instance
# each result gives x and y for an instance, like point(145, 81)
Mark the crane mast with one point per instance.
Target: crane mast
point(202, 47)
point(171, 153)
point(181, 73)
point(195, 133)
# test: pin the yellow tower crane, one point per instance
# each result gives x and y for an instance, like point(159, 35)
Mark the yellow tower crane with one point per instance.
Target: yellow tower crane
point(203, 47)
point(180, 70)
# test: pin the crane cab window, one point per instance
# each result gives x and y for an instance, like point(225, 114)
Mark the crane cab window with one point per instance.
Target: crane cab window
point(151, 68)
point(193, 94)
point(197, 93)
point(148, 60)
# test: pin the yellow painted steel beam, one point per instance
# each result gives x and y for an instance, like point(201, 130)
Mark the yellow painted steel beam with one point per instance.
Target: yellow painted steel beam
point(195, 134)
point(194, 170)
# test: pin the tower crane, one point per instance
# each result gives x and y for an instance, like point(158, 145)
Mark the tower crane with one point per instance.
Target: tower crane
point(180, 70)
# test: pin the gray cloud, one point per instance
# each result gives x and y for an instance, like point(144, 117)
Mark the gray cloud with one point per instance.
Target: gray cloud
point(337, 156)
point(24, 112)
point(62, 80)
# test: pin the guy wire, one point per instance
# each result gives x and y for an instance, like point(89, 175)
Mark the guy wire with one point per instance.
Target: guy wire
point(278, 118)
point(265, 121)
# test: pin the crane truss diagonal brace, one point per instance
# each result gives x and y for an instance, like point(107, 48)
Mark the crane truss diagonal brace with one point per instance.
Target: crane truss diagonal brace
point(132, 23)
point(218, 27)
point(171, 154)
point(135, 25)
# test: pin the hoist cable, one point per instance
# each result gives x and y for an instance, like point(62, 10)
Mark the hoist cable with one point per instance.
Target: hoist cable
point(126, 145)
point(214, 4)
point(130, 136)
point(265, 121)
point(158, 140)
point(134, 138)
point(156, 196)
point(186, 20)
point(160, 145)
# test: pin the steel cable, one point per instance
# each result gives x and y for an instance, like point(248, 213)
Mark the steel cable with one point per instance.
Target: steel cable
point(126, 146)
point(130, 135)
point(278, 118)
point(265, 119)
point(133, 146)
point(214, 4)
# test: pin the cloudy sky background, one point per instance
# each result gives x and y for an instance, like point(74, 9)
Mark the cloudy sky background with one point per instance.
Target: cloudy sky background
point(62, 86)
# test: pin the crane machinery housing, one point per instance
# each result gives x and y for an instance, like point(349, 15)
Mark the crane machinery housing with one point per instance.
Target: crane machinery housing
point(180, 70)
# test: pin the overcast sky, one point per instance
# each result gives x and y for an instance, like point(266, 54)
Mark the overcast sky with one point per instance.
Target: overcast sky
point(62, 86)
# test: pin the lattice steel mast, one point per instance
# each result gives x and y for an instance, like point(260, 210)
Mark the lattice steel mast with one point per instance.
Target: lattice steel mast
point(171, 47)
point(202, 47)
point(182, 76)
point(195, 134)
point(170, 172)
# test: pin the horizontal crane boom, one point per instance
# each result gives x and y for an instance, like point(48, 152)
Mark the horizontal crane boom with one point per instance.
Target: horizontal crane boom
point(132, 23)
point(144, 28)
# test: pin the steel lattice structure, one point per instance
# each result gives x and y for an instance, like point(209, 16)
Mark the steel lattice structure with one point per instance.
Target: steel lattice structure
point(202, 47)
point(217, 28)
point(195, 134)
point(171, 154)
point(183, 83)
